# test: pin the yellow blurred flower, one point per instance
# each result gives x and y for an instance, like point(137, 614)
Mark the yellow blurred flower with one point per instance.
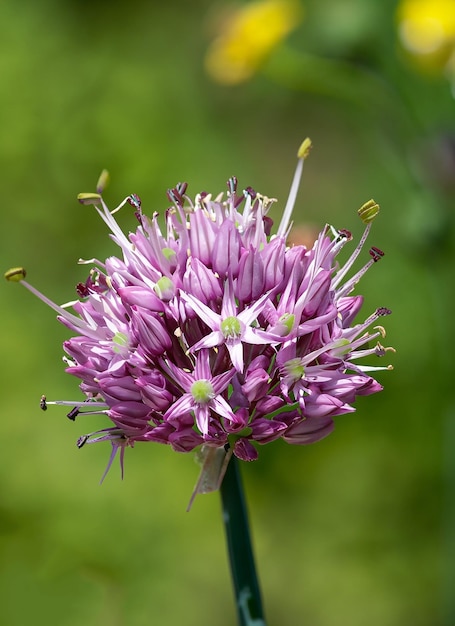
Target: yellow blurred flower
point(249, 36)
point(427, 30)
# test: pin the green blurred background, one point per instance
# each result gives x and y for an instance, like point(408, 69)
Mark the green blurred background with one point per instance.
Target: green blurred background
point(357, 529)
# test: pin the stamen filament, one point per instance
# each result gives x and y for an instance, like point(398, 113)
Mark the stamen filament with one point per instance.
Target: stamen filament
point(352, 282)
point(72, 319)
point(285, 220)
point(77, 403)
point(350, 262)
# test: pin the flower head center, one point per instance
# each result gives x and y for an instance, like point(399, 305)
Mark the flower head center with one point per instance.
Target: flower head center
point(202, 391)
point(231, 328)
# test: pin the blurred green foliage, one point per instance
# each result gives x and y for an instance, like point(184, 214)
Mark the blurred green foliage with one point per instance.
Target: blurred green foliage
point(356, 529)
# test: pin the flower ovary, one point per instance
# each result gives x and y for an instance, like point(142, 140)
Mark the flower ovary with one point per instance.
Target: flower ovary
point(202, 391)
point(230, 327)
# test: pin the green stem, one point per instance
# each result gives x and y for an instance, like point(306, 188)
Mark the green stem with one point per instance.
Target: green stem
point(243, 569)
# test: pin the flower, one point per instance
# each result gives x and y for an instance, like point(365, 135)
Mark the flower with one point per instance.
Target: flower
point(202, 394)
point(249, 36)
point(214, 333)
point(231, 327)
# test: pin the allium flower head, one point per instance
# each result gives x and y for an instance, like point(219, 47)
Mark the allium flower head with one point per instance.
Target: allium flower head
point(213, 332)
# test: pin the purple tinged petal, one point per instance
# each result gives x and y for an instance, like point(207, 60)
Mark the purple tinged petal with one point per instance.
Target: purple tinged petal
point(309, 431)
point(239, 422)
point(120, 388)
point(235, 349)
point(321, 256)
point(324, 404)
point(256, 384)
point(368, 387)
point(122, 458)
point(141, 296)
point(237, 398)
point(202, 413)
point(202, 236)
point(130, 416)
point(316, 294)
point(215, 338)
point(250, 283)
point(133, 410)
point(182, 378)
point(348, 308)
point(265, 430)
point(290, 417)
point(229, 305)
point(201, 282)
point(118, 367)
point(212, 319)
point(269, 404)
point(181, 407)
point(150, 332)
point(226, 249)
point(244, 450)
point(221, 381)
point(248, 315)
point(295, 266)
point(309, 326)
point(259, 362)
point(220, 406)
point(115, 448)
point(185, 440)
point(153, 391)
point(347, 388)
point(217, 434)
point(273, 256)
point(88, 375)
point(202, 366)
point(160, 433)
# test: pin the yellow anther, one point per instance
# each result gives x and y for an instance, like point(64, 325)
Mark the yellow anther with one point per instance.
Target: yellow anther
point(305, 148)
point(89, 198)
point(103, 181)
point(368, 211)
point(15, 274)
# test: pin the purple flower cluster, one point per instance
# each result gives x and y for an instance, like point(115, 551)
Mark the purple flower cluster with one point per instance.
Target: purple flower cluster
point(211, 330)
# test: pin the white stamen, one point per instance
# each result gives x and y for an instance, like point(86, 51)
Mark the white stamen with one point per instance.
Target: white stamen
point(69, 317)
point(246, 212)
point(284, 224)
point(77, 403)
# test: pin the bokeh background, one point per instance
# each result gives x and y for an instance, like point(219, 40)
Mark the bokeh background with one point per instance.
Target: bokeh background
point(357, 529)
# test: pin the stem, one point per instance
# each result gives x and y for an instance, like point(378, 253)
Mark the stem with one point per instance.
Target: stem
point(243, 570)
